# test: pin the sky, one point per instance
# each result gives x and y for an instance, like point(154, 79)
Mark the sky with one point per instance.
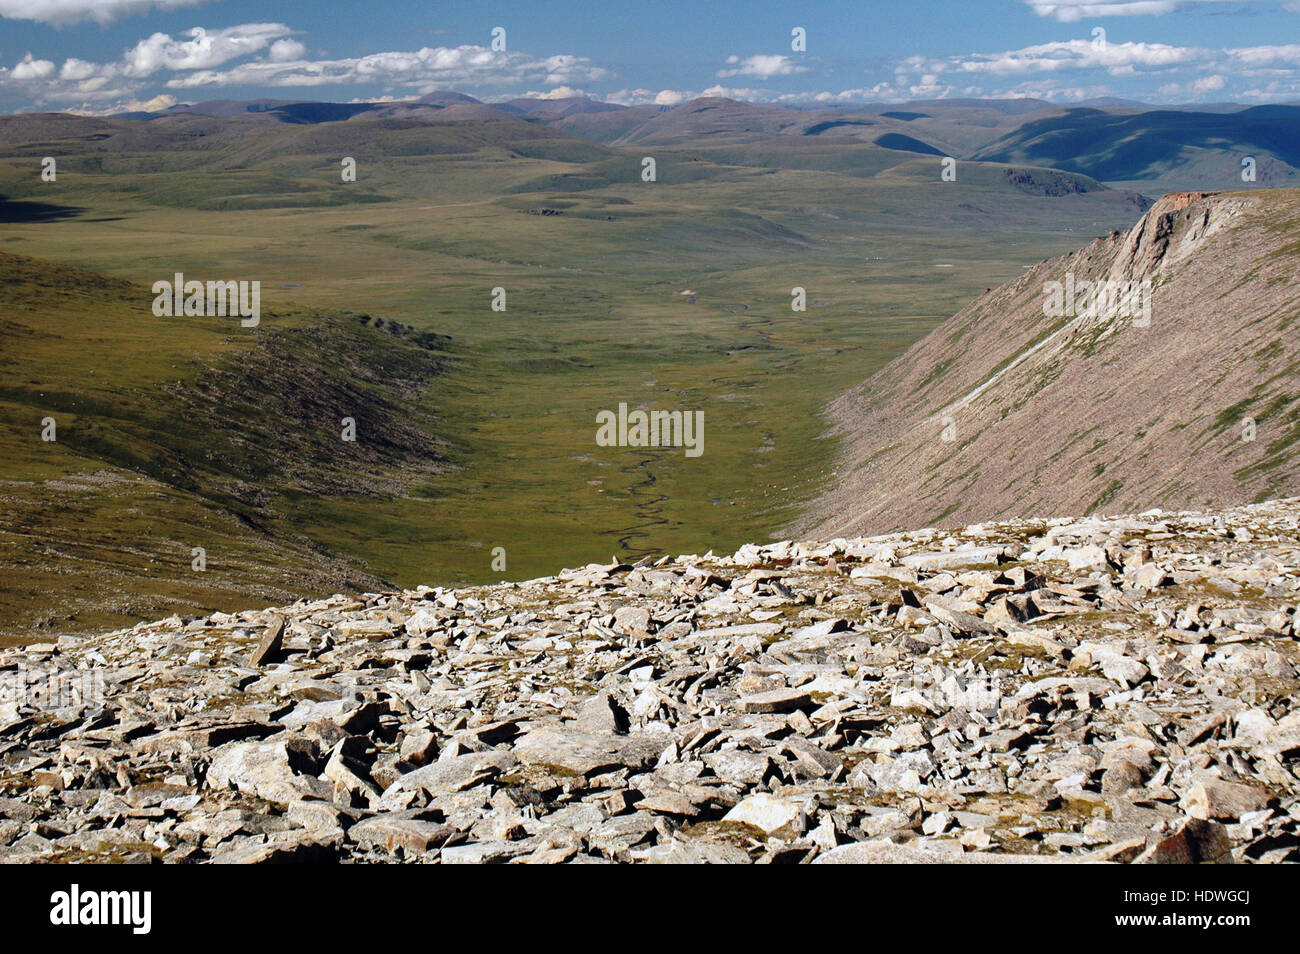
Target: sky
point(102, 56)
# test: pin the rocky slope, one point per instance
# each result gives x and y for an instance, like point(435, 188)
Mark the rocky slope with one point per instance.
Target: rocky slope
point(1100, 689)
point(1004, 411)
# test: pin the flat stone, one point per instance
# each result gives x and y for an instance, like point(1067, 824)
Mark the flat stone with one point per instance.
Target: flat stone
point(667, 802)
point(390, 832)
point(778, 700)
point(951, 559)
point(632, 620)
point(583, 718)
point(773, 816)
point(281, 848)
point(480, 853)
point(453, 774)
point(583, 753)
point(418, 747)
point(695, 852)
point(280, 770)
point(601, 714)
point(1214, 798)
point(739, 765)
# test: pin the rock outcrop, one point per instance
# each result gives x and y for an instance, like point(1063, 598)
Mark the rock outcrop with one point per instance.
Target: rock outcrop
point(1118, 689)
point(1008, 411)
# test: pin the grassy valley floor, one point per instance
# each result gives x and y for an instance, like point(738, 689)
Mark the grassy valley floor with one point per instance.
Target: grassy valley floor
point(673, 295)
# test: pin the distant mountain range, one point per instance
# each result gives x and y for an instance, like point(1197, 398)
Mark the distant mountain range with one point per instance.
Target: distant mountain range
point(1151, 149)
point(285, 110)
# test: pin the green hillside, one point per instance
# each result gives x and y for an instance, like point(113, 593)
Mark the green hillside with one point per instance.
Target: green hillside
point(176, 433)
point(476, 428)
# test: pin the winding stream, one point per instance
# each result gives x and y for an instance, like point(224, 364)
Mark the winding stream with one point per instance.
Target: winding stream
point(647, 506)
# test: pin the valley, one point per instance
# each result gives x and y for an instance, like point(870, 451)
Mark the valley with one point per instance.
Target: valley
point(672, 295)
point(650, 434)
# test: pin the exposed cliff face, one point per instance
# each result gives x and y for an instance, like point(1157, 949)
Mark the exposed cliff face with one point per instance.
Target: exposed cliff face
point(1028, 401)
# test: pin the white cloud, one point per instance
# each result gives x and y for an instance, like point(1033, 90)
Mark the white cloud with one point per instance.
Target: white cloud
point(269, 55)
point(442, 66)
point(1197, 88)
point(76, 70)
point(29, 68)
point(62, 12)
point(79, 79)
point(155, 105)
point(675, 97)
point(286, 51)
point(762, 65)
point(196, 60)
point(560, 92)
point(747, 93)
point(642, 96)
point(1071, 11)
point(1257, 56)
point(884, 92)
point(1212, 70)
point(1077, 54)
point(204, 49)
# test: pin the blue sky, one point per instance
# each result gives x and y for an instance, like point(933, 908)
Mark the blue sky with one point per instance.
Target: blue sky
point(106, 55)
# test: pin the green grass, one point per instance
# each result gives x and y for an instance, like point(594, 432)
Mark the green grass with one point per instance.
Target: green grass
point(486, 440)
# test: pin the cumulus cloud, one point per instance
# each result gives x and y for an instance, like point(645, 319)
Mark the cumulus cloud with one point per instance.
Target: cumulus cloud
point(1076, 54)
point(29, 68)
point(286, 51)
point(442, 66)
point(559, 92)
point(62, 12)
point(1065, 69)
point(205, 48)
point(76, 70)
point(271, 57)
point(762, 65)
point(642, 97)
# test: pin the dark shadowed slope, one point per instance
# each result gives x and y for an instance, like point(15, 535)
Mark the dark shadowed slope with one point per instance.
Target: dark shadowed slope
point(1160, 145)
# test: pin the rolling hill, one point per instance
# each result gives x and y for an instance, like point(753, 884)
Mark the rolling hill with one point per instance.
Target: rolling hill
point(1124, 143)
point(171, 434)
point(1170, 149)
